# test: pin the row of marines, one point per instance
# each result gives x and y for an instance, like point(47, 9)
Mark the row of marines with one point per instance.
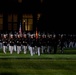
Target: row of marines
point(33, 44)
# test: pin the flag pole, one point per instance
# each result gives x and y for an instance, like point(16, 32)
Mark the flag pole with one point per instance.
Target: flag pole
point(36, 33)
point(20, 29)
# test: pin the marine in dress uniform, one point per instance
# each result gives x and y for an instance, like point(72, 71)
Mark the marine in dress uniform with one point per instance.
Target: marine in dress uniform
point(43, 43)
point(15, 42)
point(11, 43)
point(18, 42)
point(55, 42)
point(0, 41)
point(31, 43)
point(49, 43)
point(61, 43)
point(5, 42)
point(34, 44)
point(24, 43)
point(38, 42)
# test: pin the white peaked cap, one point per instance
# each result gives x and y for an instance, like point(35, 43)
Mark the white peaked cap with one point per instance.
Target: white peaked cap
point(50, 34)
point(11, 34)
point(61, 35)
point(4, 35)
point(18, 35)
point(39, 35)
point(54, 35)
point(31, 34)
point(24, 34)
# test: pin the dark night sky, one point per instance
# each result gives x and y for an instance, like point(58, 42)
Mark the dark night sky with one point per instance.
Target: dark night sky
point(59, 17)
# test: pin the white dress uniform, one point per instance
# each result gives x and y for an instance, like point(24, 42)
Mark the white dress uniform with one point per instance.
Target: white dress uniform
point(38, 45)
point(11, 44)
point(15, 42)
point(31, 45)
point(18, 44)
point(0, 42)
point(5, 41)
point(43, 43)
point(24, 43)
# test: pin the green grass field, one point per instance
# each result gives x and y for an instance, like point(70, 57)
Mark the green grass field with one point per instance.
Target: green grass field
point(46, 64)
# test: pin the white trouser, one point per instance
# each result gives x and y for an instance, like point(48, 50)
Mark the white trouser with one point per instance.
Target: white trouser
point(18, 49)
point(28, 47)
point(75, 44)
point(11, 49)
point(15, 48)
point(31, 50)
point(24, 48)
point(38, 51)
point(71, 44)
point(4, 49)
point(42, 49)
point(0, 45)
point(48, 49)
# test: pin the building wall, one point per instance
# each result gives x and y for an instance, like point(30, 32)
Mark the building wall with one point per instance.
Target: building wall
point(12, 12)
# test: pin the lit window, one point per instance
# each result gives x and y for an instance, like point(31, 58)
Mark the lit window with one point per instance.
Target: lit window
point(1, 21)
point(10, 18)
point(1, 15)
point(27, 16)
point(14, 18)
point(41, 1)
point(9, 26)
point(12, 21)
point(28, 22)
point(20, 1)
point(15, 26)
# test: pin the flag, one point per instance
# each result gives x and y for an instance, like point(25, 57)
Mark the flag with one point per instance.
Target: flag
point(20, 29)
point(36, 34)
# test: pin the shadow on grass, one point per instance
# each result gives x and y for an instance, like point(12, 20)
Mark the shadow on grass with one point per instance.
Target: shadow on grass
point(9, 73)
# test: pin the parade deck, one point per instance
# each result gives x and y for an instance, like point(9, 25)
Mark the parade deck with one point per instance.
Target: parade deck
point(46, 64)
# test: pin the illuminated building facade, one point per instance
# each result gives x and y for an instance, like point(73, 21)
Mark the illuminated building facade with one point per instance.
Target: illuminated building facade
point(28, 12)
point(46, 15)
